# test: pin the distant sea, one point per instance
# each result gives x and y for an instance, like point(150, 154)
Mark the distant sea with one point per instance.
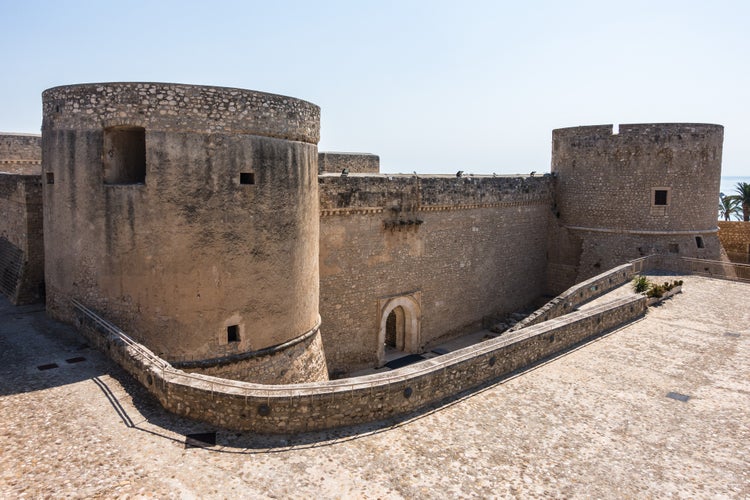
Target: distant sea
point(728, 183)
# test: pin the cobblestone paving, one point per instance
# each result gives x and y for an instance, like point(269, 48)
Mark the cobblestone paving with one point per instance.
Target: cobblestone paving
point(593, 423)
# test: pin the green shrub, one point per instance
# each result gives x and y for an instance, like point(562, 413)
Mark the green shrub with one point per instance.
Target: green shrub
point(656, 291)
point(641, 284)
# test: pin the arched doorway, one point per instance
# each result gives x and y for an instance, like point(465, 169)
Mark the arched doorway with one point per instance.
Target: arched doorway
point(399, 325)
point(394, 329)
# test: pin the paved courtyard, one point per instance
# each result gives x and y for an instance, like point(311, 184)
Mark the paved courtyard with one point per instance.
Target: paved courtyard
point(595, 422)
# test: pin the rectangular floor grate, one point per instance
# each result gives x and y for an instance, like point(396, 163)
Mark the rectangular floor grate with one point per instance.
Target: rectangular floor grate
point(732, 334)
point(77, 359)
point(200, 440)
point(48, 366)
point(677, 396)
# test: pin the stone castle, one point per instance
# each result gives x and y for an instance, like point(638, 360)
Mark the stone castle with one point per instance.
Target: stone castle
point(204, 223)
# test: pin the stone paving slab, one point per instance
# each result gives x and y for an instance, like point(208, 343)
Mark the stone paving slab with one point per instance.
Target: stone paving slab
point(595, 422)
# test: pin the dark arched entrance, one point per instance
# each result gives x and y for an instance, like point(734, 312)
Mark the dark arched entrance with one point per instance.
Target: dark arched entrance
point(394, 329)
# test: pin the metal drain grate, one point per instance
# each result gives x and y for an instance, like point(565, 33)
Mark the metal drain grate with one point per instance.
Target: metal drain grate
point(48, 366)
point(200, 440)
point(678, 397)
point(77, 359)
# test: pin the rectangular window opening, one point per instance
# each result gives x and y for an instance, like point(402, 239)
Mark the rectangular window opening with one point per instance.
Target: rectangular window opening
point(699, 241)
point(660, 196)
point(247, 178)
point(50, 178)
point(233, 333)
point(674, 248)
point(125, 155)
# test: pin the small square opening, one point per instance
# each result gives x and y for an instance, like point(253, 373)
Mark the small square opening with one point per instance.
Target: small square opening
point(660, 196)
point(233, 333)
point(674, 248)
point(699, 241)
point(50, 178)
point(247, 178)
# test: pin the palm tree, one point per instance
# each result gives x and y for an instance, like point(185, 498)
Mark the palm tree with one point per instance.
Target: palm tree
point(729, 206)
point(743, 195)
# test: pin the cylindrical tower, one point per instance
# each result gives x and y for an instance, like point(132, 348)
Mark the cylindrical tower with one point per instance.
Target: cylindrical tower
point(650, 188)
point(188, 216)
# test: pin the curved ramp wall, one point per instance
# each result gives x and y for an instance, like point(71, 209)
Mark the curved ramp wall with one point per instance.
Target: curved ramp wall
point(324, 405)
point(189, 216)
point(650, 188)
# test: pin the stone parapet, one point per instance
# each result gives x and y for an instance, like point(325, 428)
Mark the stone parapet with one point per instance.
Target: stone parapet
point(20, 153)
point(315, 406)
point(177, 107)
point(337, 162)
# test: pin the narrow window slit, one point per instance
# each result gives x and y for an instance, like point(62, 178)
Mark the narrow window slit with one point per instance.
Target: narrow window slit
point(233, 333)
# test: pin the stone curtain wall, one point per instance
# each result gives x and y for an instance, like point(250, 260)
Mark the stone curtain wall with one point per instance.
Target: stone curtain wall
point(735, 238)
point(324, 405)
point(468, 247)
point(20, 153)
point(336, 162)
point(21, 238)
point(605, 186)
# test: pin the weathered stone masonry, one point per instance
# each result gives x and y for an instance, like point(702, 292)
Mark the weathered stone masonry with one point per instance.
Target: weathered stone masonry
point(21, 245)
point(188, 216)
point(20, 153)
point(463, 248)
point(204, 223)
point(314, 406)
point(735, 239)
point(21, 248)
point(651, 188)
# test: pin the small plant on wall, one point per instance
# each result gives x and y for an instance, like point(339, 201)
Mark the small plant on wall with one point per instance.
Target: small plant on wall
point(641, 284)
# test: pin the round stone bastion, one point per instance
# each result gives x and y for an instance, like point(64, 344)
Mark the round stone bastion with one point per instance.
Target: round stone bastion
point(188, 217)
point(643, 189)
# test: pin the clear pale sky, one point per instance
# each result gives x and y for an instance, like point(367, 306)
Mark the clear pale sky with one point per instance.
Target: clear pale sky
point(429, 86)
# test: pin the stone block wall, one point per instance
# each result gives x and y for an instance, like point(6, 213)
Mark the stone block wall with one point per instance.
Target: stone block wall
point(735, 238)
point(324, 405)
point(579, 294)
point(20, 153)
point(298, 361)
point(21, 238)
point(356, 163)
point(452, 250)
point(187, 214)
point(619, 196)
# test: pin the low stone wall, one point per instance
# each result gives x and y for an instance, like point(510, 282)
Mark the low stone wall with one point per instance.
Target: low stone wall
point(294, 362)
point(735, 238)
point(579, 294)
point(315, 406)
